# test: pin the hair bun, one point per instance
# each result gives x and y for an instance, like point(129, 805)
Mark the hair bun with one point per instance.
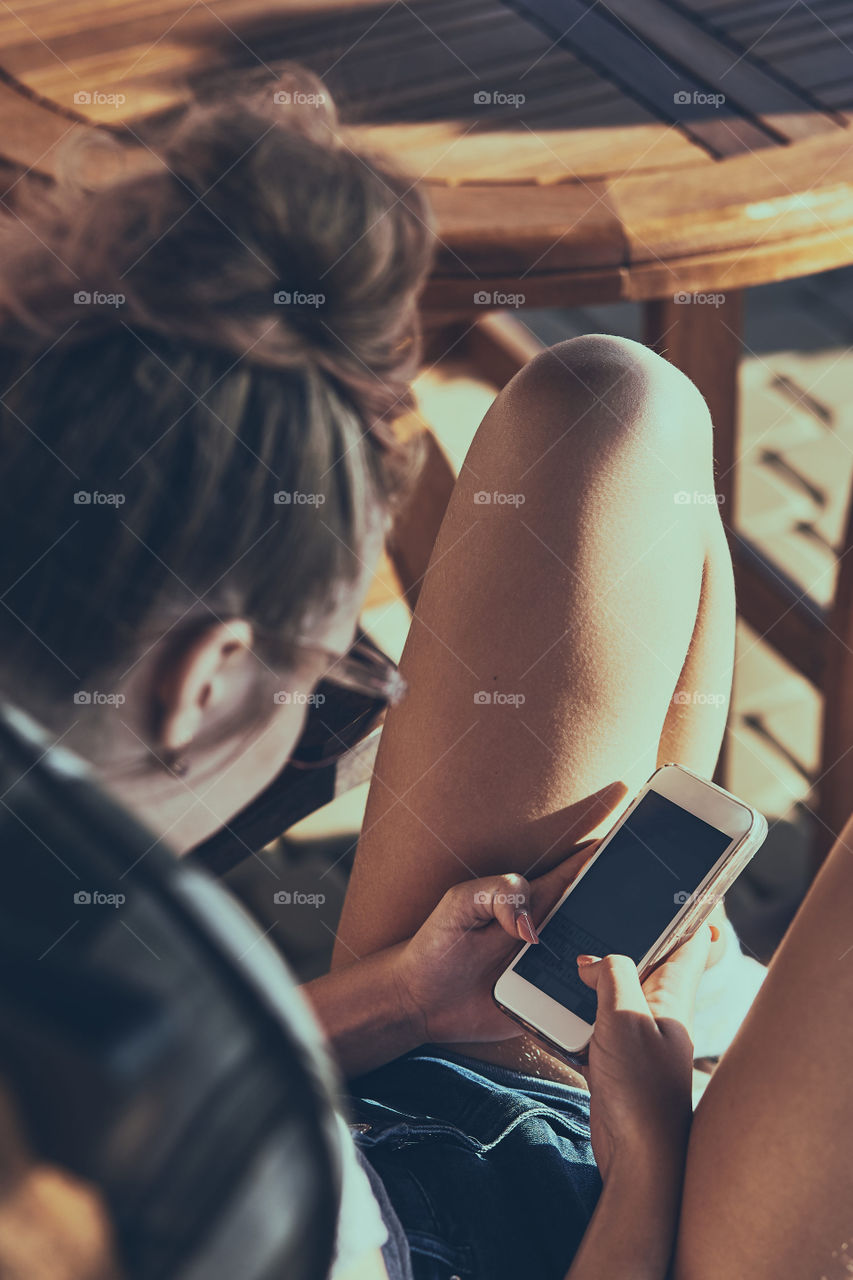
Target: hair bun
point(265, 231)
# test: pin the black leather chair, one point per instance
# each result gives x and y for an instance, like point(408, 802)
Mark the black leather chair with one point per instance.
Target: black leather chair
point(153, 1040)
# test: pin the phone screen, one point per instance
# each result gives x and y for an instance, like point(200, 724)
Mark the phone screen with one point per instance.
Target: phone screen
point(626, 899)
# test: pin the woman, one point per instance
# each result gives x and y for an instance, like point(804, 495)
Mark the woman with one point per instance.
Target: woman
point(200, 365)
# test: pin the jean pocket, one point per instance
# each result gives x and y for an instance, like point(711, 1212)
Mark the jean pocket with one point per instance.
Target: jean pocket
point(374, 1124)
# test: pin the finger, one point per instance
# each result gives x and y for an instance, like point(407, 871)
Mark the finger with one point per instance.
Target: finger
point(671, 989)
point(718, 942)
point(616, 982)
point(546, 889)
point(502, 898)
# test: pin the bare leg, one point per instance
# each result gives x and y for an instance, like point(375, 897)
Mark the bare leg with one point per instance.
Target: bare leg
point(595, 601)
point(769, 1183)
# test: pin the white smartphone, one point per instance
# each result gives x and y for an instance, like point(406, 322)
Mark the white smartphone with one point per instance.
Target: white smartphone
point(652, 881)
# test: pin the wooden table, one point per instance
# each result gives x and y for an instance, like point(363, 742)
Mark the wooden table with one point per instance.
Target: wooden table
point(576, 151)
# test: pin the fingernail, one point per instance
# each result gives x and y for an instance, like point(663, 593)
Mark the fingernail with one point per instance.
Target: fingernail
point(715, 933)
point(588, 959)
point(524, 926)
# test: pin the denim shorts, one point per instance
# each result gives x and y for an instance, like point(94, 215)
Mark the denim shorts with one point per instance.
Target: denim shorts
point(490, 1172)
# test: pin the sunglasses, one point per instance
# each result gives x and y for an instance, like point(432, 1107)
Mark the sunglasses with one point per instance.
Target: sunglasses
point(363, 670)
point(349, 703)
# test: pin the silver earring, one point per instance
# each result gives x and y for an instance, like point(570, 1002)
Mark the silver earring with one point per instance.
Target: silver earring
point(176, 762)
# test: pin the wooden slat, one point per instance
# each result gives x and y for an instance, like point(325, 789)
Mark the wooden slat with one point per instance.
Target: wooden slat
point(798, 28)
point(387, 44)
point(722, 13)
point(317, 33)
point(446, 152)
point(568, 126)
point(648, 75)
point(442, 84)
point(558, 79)
point(835, 788)
point(504, 45)
point(815, 67)
point(767, 15)
point(837, 97)
point(810, 44)
point(705, 8)
point(773, 607)
point(744, 83)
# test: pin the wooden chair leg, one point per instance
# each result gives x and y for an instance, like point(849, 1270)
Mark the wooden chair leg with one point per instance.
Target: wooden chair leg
point(704, 341)
point(495, 348)
point(498, 346)
point(416, 524)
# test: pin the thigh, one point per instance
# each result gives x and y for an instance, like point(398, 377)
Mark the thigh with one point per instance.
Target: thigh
point(556, 622)
point(769, 1179)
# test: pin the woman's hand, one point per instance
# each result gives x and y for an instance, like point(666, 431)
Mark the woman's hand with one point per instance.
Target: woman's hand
point(447, 970)
point(437, 986)
point(640, 1068)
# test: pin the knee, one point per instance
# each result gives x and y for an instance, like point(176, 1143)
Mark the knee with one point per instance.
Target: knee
point(603, 393)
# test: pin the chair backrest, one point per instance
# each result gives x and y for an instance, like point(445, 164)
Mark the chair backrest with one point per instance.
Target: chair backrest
point(154, 1042)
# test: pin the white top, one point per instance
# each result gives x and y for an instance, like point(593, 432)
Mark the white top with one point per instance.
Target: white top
point(361, 1229)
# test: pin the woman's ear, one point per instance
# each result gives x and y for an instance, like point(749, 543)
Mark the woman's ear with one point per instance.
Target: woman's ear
point(202, 681)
